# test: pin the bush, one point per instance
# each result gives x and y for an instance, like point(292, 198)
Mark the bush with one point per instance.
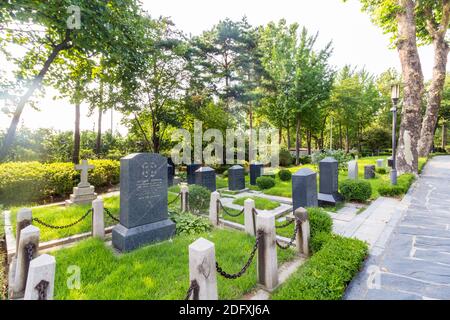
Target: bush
point(381, 170)
point(355, 190)
point(265, 182)
point(225, 174)
point(187, 223)
point(340, 155)
point(285, 175)
point(403, 184)
point(325, 276)
point(318, 241)
point(305, 159)
point(22, 182)
point(199, 198)
point(319, 221)
point(286, 158)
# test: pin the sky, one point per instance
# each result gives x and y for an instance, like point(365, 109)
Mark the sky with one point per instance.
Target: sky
point(355, 39)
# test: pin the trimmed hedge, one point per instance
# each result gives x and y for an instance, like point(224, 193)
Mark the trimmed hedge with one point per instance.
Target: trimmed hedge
point(285, 175)
point(325, 276)
point(199, 197)
point(22, 182)
point(356, 190)
point(265, 182)
point(403, 184)
point(319, 222)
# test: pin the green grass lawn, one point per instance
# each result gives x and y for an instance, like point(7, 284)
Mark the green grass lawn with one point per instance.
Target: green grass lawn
point(156, 272)
point(260, 203)
point(61, 215)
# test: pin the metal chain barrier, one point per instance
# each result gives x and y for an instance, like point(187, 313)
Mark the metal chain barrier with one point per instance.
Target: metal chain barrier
point(296, 230)
point(285, 225)
point(247, 264)
point(176, 198)
point(110, 215)
point(227, 212)
point(193, 289)
point(41, 288)
point(39, 221)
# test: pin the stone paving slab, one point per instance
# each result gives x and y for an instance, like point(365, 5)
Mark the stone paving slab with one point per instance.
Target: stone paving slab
point(414, 263)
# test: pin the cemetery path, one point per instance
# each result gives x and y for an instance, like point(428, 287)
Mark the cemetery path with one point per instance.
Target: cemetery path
point(415, 261)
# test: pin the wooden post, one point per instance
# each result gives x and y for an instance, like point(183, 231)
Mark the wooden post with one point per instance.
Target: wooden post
point(249, 206)
point(98, 219)
point(267, 264)
point(303, 235)
point(214, 208)
point(202, 269)
point(41, 278)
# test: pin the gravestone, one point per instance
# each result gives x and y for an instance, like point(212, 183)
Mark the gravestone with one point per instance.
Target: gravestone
point(369, 172)
point(170, 175)
point(380, 163)
point(329, 182)
point(304, 189)
point(191, 168)
point(206, 177)
point(236, 178)
point(143, 202)
point(353, 170)
point(390, 162)
point(84, 192)
point(256, 170)
point(169, 161)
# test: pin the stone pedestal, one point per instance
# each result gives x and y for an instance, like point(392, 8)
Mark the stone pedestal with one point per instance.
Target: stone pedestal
point(329, 182)
point(191, 168)
point(304, 189)
point(267, 263)
point(214, 208)
point(206, 177)
point(369, 172)
point(249, 217)
point(41, 274)
point(256, 171)
point(236, 178)
point(82, 195)
point(380, 163)
point(353, 170)
point(143, 202)
point(202, 268)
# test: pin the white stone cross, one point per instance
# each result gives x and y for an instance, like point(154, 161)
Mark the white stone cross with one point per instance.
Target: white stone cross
point(84, 167)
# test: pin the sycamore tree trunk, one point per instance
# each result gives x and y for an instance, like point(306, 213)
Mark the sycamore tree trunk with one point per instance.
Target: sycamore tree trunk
point(298, 140)
point(35, 83)
point(441, 50)
point(407, 153)
point(76, 136)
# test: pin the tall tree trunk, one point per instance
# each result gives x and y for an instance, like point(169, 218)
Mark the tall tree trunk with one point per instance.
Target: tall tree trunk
point(340, 136)
point(280, 135)
point(297, 140)
point(407, 155)
point(76, 136)
point(308, 138)
point(441, 50)
point(35, 83)
point(444, 136)
point(288, 129)
point(98, 142)
point(347, 140)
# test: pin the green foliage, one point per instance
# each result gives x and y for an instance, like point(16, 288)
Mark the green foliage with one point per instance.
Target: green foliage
point(199, 198)
point(22, 182)
point(285, 175)
point(265, 182)
point(319, 240)
point(326, 274)
point(403, 184)
point(381, 170)
point(187, 223)
point(260, 203)
point(305, 159)
point(376, 139)
point(286, 158)
point(319, 221)
point(340, 155)
point(355, 190)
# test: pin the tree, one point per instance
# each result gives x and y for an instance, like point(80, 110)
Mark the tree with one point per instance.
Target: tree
point(46, 30)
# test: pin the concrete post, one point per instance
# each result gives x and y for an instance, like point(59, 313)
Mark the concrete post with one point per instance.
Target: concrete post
point(303, 235)
point(23, 220)
point(202, 268)
point(184, 190)
point(267, 264)
point(214, 208)
point(249, 221)
point(98, 219)
point(41, 275)
point(29, 238)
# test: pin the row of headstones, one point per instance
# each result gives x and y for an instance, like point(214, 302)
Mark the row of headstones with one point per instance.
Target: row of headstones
point(206, 176)
point(202, 252)
point(369, 170)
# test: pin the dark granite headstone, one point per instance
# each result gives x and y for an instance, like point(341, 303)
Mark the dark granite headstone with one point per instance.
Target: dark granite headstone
point(256, 170)
point(170, 175)
point(329, 182)
point(369, 172)
point(304, 189)
point(206, 177)
point(390, 162)
point(191, 168)
point(169, 161)
point(143, 202)
point(236, 178)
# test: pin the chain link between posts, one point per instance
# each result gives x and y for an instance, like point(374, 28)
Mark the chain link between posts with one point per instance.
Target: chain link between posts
point(193, 290)
point(174, 200)
point(233, 215)
point(48, 225)
point(294, 236)
point(108, 212)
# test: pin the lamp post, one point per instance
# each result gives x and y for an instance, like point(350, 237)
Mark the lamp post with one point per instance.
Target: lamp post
point(395, 95)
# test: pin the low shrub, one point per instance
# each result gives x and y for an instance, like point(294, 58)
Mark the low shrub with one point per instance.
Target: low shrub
point(356, 190)
point(187, 223)
point(319, 240)
point(199, 198)
point(381, 170)
point(225, 174)
point(22, 182)
point(319, 221)
point(285, 175)
point(340, 155)
point(286, 158)
point(305, 159)
point(265, 182)
point(403, 184)
point(326, 274)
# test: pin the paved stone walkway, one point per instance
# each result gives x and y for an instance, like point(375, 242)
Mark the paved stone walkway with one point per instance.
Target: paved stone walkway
point(414, 263)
